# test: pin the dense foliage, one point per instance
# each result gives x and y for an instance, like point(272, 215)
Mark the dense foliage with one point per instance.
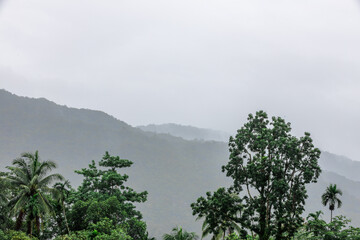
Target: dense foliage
point(221, 212)
point(273, 167)
point(101, 208)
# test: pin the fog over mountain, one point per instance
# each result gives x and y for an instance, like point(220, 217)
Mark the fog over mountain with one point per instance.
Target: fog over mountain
point(187, 132)
point(174, 171)
point(194, 62)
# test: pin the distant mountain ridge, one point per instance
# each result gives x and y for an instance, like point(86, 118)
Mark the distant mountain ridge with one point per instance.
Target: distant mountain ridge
point(187, 132)
point(341, 165)
point(174, 171)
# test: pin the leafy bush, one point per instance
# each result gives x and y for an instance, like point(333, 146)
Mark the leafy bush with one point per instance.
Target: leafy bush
point(15, 235)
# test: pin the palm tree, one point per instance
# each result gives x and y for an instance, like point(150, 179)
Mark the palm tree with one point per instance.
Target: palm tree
point(60, 194)
point(331, 197)
point(178, 233)
point(220, 231)
point(30, 176)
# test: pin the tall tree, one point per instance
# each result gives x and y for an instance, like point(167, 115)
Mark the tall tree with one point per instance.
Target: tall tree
point(31, 178)
point(274, 167)
point(330, 197)
point(178, 233)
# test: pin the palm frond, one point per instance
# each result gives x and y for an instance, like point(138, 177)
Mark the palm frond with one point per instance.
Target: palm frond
point(51, 178)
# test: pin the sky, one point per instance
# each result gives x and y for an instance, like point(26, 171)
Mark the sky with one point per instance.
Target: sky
point(202, 63)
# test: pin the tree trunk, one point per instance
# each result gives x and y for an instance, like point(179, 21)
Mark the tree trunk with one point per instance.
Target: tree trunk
point(37, 225)
point(29, 227)
point(19, 220)
point(331, 215)
point(66, 222)
point(264, 231)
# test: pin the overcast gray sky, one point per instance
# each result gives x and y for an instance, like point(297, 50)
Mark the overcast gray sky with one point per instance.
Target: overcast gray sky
point(203, 63)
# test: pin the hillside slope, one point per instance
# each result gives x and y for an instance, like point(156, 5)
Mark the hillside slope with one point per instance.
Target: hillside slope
point(174, 171)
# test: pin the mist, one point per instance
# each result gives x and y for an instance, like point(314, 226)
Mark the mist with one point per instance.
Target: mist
point(201, 63)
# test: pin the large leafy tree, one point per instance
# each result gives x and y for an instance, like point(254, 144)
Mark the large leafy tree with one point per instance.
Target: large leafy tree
point(331, 197)
point(273, 167)
point(221, 212)
point(31, 178)
point(178, 233)
point(103, 195)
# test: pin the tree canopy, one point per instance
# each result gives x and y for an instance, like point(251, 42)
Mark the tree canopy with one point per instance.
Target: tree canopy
point(30, 177)
point(270, 169)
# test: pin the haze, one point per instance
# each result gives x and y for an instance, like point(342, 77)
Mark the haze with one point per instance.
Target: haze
point(202, 63)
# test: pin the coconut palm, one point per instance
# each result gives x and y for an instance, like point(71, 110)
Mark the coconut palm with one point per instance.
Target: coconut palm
point(60, 194)
point(30, 177)
point(179, 234)
point(220, 231)
point(331, 197)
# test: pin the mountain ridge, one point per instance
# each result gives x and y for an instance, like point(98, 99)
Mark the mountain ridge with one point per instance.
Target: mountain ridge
point(174, 171)
point(187, 132)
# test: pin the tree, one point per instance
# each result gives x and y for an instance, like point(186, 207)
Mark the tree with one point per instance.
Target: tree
point(60, 194)
point(222, 213)
point(103, 195)
point(331, 197)
point(179, 234)
point(274, 167)
point(30, 177)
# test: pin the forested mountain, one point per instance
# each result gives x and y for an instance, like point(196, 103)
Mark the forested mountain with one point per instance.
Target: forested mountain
point(187, 132)
point(174, 171)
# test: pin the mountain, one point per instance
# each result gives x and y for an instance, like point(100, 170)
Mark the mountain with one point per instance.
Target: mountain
point(350, 197)
point(173, 170)
point(187, 132)
point(341, 165)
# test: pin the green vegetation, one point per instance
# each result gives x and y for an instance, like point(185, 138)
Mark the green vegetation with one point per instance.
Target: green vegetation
point(331, 197)
point(222, 212)
point(101, 208)
point(179, 234)
point(29, 176)
point(269, 169)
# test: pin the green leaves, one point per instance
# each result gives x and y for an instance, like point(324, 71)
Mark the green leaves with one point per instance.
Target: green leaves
point(221, 212)
point(29, 176)
point(318, 229)
point(331, 197)
point(180, 234)
point(104, 196)
point(274, 167)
